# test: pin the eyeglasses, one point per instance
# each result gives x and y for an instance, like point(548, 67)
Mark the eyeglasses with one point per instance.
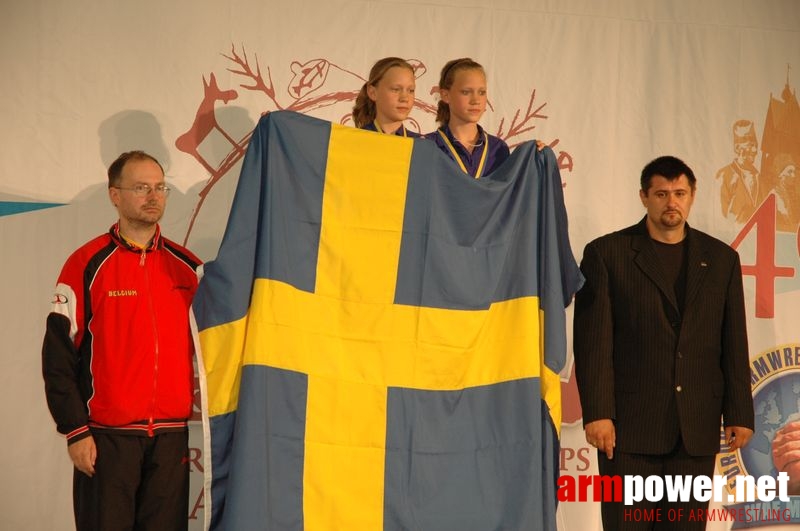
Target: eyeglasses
point(142, 189)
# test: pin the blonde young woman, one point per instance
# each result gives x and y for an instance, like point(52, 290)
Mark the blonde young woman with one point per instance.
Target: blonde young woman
point(387, 98)
point(463, 98)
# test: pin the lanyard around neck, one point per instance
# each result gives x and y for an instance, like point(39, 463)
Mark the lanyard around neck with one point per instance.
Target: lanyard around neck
point(481, 164)
point(378, 128)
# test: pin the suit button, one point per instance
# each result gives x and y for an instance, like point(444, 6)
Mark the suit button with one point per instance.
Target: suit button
point(680, 355)
point(679, 388)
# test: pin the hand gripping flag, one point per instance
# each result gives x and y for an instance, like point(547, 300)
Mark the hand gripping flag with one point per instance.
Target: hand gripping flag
point(381, 337)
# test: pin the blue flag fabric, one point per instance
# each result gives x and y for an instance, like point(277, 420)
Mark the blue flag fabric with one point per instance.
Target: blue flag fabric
point(381, 336)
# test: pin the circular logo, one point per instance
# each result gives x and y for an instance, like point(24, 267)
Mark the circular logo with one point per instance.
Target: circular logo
point(776, 403)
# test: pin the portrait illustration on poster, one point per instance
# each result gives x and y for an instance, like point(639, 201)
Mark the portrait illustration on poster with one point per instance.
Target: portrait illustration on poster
point(758, 190)
point(744, 185)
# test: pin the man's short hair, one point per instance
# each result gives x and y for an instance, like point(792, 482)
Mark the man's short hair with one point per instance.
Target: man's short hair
point(669, 167)
point(115, 170)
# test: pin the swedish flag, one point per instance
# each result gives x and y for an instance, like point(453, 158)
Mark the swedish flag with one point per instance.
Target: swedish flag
point(381, 336)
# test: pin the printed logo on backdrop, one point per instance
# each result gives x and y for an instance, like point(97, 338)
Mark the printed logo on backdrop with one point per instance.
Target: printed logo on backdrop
point(775, 446)
point(759, 191)
point(318, 86)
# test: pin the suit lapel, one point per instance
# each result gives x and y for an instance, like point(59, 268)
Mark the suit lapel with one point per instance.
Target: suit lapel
point(646, 259)
point(696, 266)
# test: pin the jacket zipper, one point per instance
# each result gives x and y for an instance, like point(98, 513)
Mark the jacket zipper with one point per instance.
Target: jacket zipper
point(151, 420)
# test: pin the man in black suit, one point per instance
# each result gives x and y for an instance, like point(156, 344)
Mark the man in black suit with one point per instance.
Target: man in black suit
point(660, 346)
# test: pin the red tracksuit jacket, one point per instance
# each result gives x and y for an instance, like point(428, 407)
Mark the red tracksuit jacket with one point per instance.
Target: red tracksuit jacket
point(117, 351)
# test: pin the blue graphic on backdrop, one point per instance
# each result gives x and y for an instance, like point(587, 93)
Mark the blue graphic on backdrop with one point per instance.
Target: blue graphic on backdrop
point(8, 208)
point(776, 403)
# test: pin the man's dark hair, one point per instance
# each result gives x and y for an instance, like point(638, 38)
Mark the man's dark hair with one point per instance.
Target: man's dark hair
point(115, 170)
point(669, 167)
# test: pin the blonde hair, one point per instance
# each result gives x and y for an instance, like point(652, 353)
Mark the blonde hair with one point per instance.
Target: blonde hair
point(364, 110)
point(446, 80)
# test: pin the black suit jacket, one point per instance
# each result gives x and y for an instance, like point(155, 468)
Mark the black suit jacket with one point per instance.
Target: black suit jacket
point(657, 372)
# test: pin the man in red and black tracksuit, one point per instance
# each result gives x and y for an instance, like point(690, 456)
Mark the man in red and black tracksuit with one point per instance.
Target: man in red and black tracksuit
point(117, 361)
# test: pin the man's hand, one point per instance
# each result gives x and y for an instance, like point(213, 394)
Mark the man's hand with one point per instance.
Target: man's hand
point(737, 437)
point(786, 454)
point(602, 435)
point(83, 454)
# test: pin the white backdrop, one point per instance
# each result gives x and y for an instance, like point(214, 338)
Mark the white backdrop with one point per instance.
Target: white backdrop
point(610, 85)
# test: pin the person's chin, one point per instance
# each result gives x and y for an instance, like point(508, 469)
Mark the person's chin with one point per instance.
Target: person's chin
point(671, 220)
